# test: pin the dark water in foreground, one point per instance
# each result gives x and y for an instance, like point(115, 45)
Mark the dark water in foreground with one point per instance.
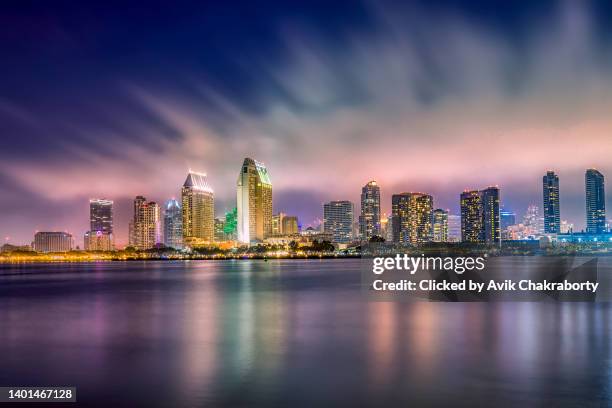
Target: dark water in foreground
point(288, 333)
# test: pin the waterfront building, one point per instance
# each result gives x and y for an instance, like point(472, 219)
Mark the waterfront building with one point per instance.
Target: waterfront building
point(230, 227)
point(506, 219)
point(100, 236)
point(254, 202)
point(53, 241)
point(454, 228)
point(97, 241)
point(290, 225)
point(173, 224)
point(277, 224)
point(440, 225)
point(566, 227)
point(480, 216)
point(369, 220)
point(198, 210)
point(220, 230)
point(552, 214)
point(338, 221)
point(595, 202)
point(145, 226)
point(412, 218)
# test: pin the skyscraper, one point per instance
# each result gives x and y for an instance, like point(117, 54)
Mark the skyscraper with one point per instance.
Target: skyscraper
point(173, 224)
point(277, 223)
point(100, 235)
point(338, 220)
point(471, 216)
point(490, 213)
point(198, 210)
point(440, 225)
point(506, 219)
point(145, 226)
point(254, 202)
point(290, 225)
point(595, 202)
point(552, 215)
point(480, 221)
point(412, 217)
point(454, 228)
point(369, 220)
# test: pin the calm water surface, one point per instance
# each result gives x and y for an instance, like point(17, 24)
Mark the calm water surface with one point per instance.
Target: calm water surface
point(288, 333)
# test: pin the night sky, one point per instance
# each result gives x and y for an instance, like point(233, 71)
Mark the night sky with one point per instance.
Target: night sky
point(116, 100)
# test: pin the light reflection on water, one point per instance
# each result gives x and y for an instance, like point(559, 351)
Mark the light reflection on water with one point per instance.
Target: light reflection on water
point(287, 333)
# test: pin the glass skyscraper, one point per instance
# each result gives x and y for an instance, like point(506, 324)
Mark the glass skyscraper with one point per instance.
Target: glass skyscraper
point(254, 202)
point(595, 202)
point(552, 214)
point(369, 220)
point(338, 220)
point(412, 218)
point(173, 224)
point(480, 221)
point(440, 225)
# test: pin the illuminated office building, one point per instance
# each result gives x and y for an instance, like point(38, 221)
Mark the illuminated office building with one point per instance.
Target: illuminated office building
point(100, 236)
point(220, 230)
point(198, 210)
point(454, 228)
point(480, 216)
point(145, 230)
point(440, 225)
point(595, 202)
point(506, 219)
point(52, 241)
point(98, 241)
point(173, 224)
point(254, 202)
point(369, 220)
point(412, 218)
point(338, 220)
point(290, 225)
point(552, 215)
point(277, 224)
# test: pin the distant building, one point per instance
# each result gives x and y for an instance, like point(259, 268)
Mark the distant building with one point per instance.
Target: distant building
point(277, 223)
point(480, 216)
point(440, 225)
point(506, 219)
point(173, 224)
point(338, 220)
point(198, 210)
point(566, 227)
point(369, 220)
point(595, 202)
point(290, 225)
point(454, 228)
point(97, 241)
point(145, 226)
point(533, 223)
point(219, 230)
point(254, 199)
point(12, 248)
point(412, 218)
point(230, 227)
point(552, 214)
point(53, 242)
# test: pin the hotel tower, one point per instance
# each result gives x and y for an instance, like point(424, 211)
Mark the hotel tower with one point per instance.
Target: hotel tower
point(198, 204)
point(254, 202)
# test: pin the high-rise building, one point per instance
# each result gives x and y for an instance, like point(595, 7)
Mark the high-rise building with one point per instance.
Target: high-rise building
point(552, 214)
point(100, 236)
point(369, 220)
point(490, 213)
point(198, 210)
point(290, 225)
point(412, 218)
point(454, 228)
point(53, 241)
point(145, 226)
point(480, 218)
point(471, 216)
point(173, 224)
point(440, 225)
point(595, 202)
point(338, 220)
point(254, 202)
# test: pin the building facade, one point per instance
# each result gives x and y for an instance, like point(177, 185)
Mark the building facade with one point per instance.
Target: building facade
point(198, 202)
point(440, 225)
point(338, 220)
point(595, 202)
point(254, 202)
point(490, 212)
point(97, 241)
point(290, 225)
point(145, 231)
point(551, 201)
point(480, 216)
point(412, 218)
point(53, 241)
point(100, 236)
point(369, 220)
point(173, 224)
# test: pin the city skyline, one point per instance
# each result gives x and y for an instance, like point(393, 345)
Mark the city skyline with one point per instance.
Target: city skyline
point(327, 109)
